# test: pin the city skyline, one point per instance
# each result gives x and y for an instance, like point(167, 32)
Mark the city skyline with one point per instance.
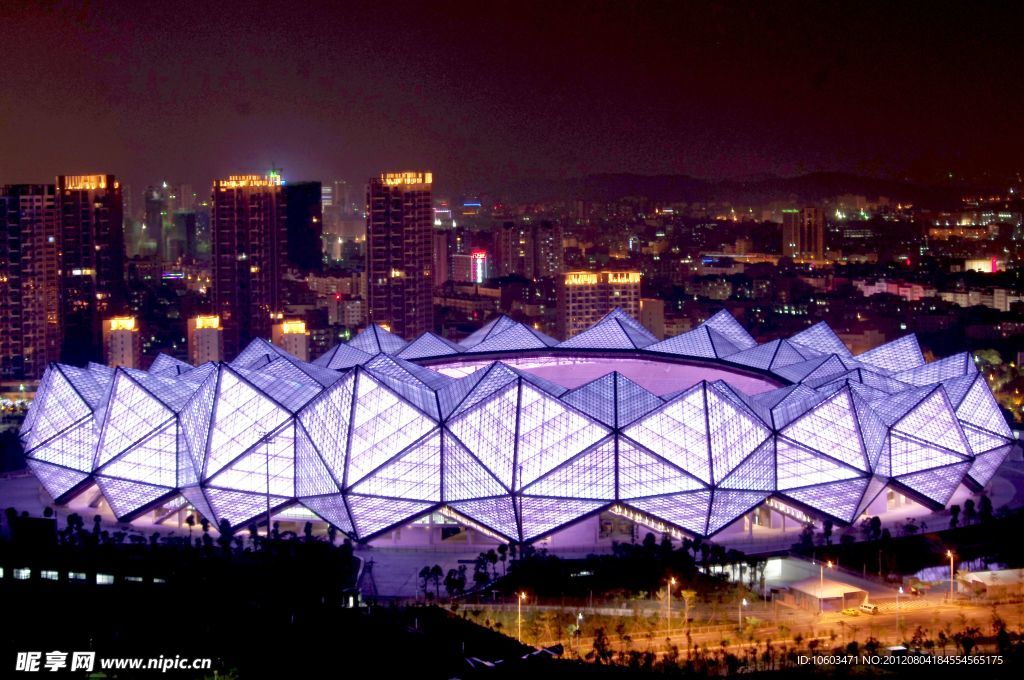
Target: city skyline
point(702, 89)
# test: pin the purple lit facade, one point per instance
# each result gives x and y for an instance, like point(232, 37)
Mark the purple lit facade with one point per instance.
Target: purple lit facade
point(516, 434)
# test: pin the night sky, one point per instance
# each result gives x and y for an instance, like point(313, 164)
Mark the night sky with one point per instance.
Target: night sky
point(486, 93)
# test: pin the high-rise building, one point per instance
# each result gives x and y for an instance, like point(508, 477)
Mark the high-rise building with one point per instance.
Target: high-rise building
point(92, 261)
point(548, 251)
point(122, 342)
point(532, 250)
point(29, 280)
point(292, 337)
point(304, 223)
point(469, 267)
point(442, 256)
point(803, 233)
point(205, 340)
point(250, 252)
point(652, 316)
point(585, 297)
point(399, 257)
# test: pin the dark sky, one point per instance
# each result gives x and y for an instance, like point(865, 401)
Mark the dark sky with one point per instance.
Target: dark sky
point(485, 93)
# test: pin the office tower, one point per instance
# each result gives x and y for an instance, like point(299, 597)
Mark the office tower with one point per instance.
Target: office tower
point(29, 281)
point(250, 252)
point(292, 337)
point(205, 340)
point(122, 342)
point(585, 297)
point(304, 223)
point(803, 233)
point(442, 257)
point(399, 255)
point(92, 261)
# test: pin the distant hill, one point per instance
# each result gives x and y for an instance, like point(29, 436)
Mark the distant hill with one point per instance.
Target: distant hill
point(748, 191)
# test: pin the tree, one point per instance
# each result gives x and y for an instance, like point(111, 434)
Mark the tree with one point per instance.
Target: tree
point(424, 577)
point(191, 522)
point(502, 556)
point(492, 559)
point(985, 508)
point(954, 516)
point(970, 513)
point(826, 530)
point(435, 576)
point(227, 534)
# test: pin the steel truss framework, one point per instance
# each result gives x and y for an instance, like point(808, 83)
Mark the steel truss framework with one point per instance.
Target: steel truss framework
point(369, 440)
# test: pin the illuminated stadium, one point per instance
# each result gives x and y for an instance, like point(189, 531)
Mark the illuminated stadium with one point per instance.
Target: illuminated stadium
point(516, 436)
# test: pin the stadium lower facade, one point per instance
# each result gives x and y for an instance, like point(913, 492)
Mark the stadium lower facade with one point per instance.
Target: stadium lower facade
point(518, 436)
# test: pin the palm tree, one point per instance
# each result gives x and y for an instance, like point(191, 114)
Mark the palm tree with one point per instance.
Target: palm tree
point(435, 575)
point(424, 577)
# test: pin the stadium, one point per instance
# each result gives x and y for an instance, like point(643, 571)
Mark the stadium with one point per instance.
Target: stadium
point(511, 435)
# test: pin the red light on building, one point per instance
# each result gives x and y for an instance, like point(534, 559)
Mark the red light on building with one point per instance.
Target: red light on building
point(478, 265)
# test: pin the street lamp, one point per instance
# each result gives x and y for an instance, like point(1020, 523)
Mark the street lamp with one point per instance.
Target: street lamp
point(821, 583)
point(949, 554)
point(739, 613)
point(579, 629)
point(668, 599)
point(522, 596)
point(899, 626)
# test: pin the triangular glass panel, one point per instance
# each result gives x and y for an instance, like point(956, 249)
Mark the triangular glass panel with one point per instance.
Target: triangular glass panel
point(541, 515)
point(799, 466)
point(326, 420)
point(383, 424)
point(56, 480)
point(642, 473)
point(979, 408)
point(497, 514)
point(911, 455)
point(933, 420)
point(153, 460)
point(464, 476)
point(678, 431)
point(374, 515)
point(332, 510)
point(756, 472)
point(589, 475)
point(936, 484)
point(415, 475)
point(728, 506)
point(240, 508)
point(898, 355)
point(831, 428)
point(489, 431)
point(695, 343)
point(74, 449)
point(821, 338)
point(840, 500)
point(269, 466)
point(986, 464)
point(726, 324)
point(126, 497)
point(197, 499)
point(550, 433)
point(312, 477)
point(688, 511)
point(242, 416)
